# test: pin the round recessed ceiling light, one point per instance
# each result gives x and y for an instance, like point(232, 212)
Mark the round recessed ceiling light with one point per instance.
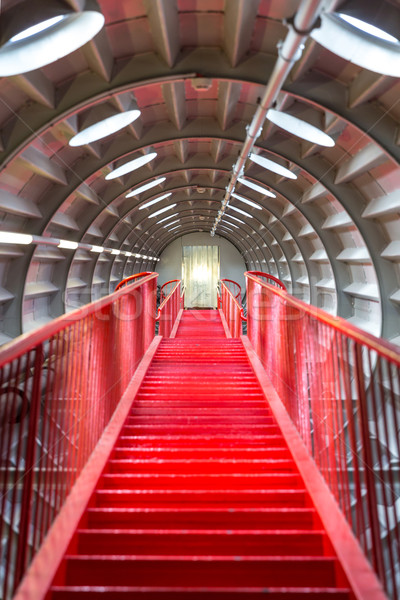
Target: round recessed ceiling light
point(47, 41)
point(360, 43)
point(104, 128)
point(255, 187)
point(136, 163)
point(368, 28)
point(299, 128)
point(249, 202)
point(270, 165)
point(162, 210)
point(145, 187)
point(151, 202)
point(37, 28)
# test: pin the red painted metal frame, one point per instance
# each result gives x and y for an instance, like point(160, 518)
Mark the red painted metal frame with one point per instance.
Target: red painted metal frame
point(236, 291)
point(270, 279)
point(341, 388)
point(359, 574)
point(166, 285)
point(130, 279)
point(231, 308)
point(46, 562)
point(169, 308)
point(59, 387)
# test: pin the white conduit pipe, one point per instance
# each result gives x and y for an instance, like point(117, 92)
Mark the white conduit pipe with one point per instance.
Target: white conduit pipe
point(289, 52)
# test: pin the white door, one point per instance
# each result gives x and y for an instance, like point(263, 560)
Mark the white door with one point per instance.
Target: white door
point(200, 275)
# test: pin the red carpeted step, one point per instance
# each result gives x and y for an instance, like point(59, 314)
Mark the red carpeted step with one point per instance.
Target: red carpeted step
point(201, 498)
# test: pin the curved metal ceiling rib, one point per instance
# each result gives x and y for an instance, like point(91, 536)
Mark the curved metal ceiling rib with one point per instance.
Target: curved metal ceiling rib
point(197, 71)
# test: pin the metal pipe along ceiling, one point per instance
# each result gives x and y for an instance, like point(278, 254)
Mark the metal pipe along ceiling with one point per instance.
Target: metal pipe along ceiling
point(289, 52)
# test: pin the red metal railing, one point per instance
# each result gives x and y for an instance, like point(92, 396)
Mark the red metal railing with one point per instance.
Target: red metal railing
point(341, 387)
point(131, 279)
point(169, 307)
point(230, 301)
point(59, 387)
point(269, 279)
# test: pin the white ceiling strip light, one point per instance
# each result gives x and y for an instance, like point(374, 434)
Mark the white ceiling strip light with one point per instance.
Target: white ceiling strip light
point(270, 165)
point(9, 237)
point(255, 187)
point(169, 224)
point(166, 218)
point(132, 165)
point(249, 202)
point(239, 210)
point(145, 187)
point(159, 212)
point(104, 128)
point(300, 128)
point(155, 200)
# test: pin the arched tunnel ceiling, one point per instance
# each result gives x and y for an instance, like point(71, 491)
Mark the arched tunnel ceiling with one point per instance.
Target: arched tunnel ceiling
point(197, 69)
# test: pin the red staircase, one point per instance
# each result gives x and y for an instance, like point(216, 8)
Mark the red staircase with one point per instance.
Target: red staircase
point(200, 497)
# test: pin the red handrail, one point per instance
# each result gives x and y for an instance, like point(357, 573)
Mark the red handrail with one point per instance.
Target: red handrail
point(169, 308)
point(165, 285)
point(59, 387)
point(238, 294)
point(131, 278)
point(340, 386)
point(232, 309)
point(270, 279)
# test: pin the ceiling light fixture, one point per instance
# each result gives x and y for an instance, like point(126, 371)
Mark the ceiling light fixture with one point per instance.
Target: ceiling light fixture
point(300, 128)
point(98, 249)
point(48, 39)
point(132, 165)
point(249, 202)
point(255, 187)
point(68, 245)
point(239, 210)
point(7, 237)
point(155, 200)
point(232, 225)
point(104, 128)
point(166, 218)
point(176, 227)
point(172, 223)
point(36, 28)
point(368, 28)
point(362, 43)
point(115, 251)
point(270, 165)
point(235, 218)
point(145, 187)
point(159, 212)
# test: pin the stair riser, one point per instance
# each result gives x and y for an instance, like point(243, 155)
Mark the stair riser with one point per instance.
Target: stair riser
point(173, 420)
point(239, 428)
point(167, 519)
point(204, 594)
point(191, 467)
point(183, 454)
point(190, 544)
point(170, 572)
point(211, 481)
point(193, 441)
point(201, 498)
